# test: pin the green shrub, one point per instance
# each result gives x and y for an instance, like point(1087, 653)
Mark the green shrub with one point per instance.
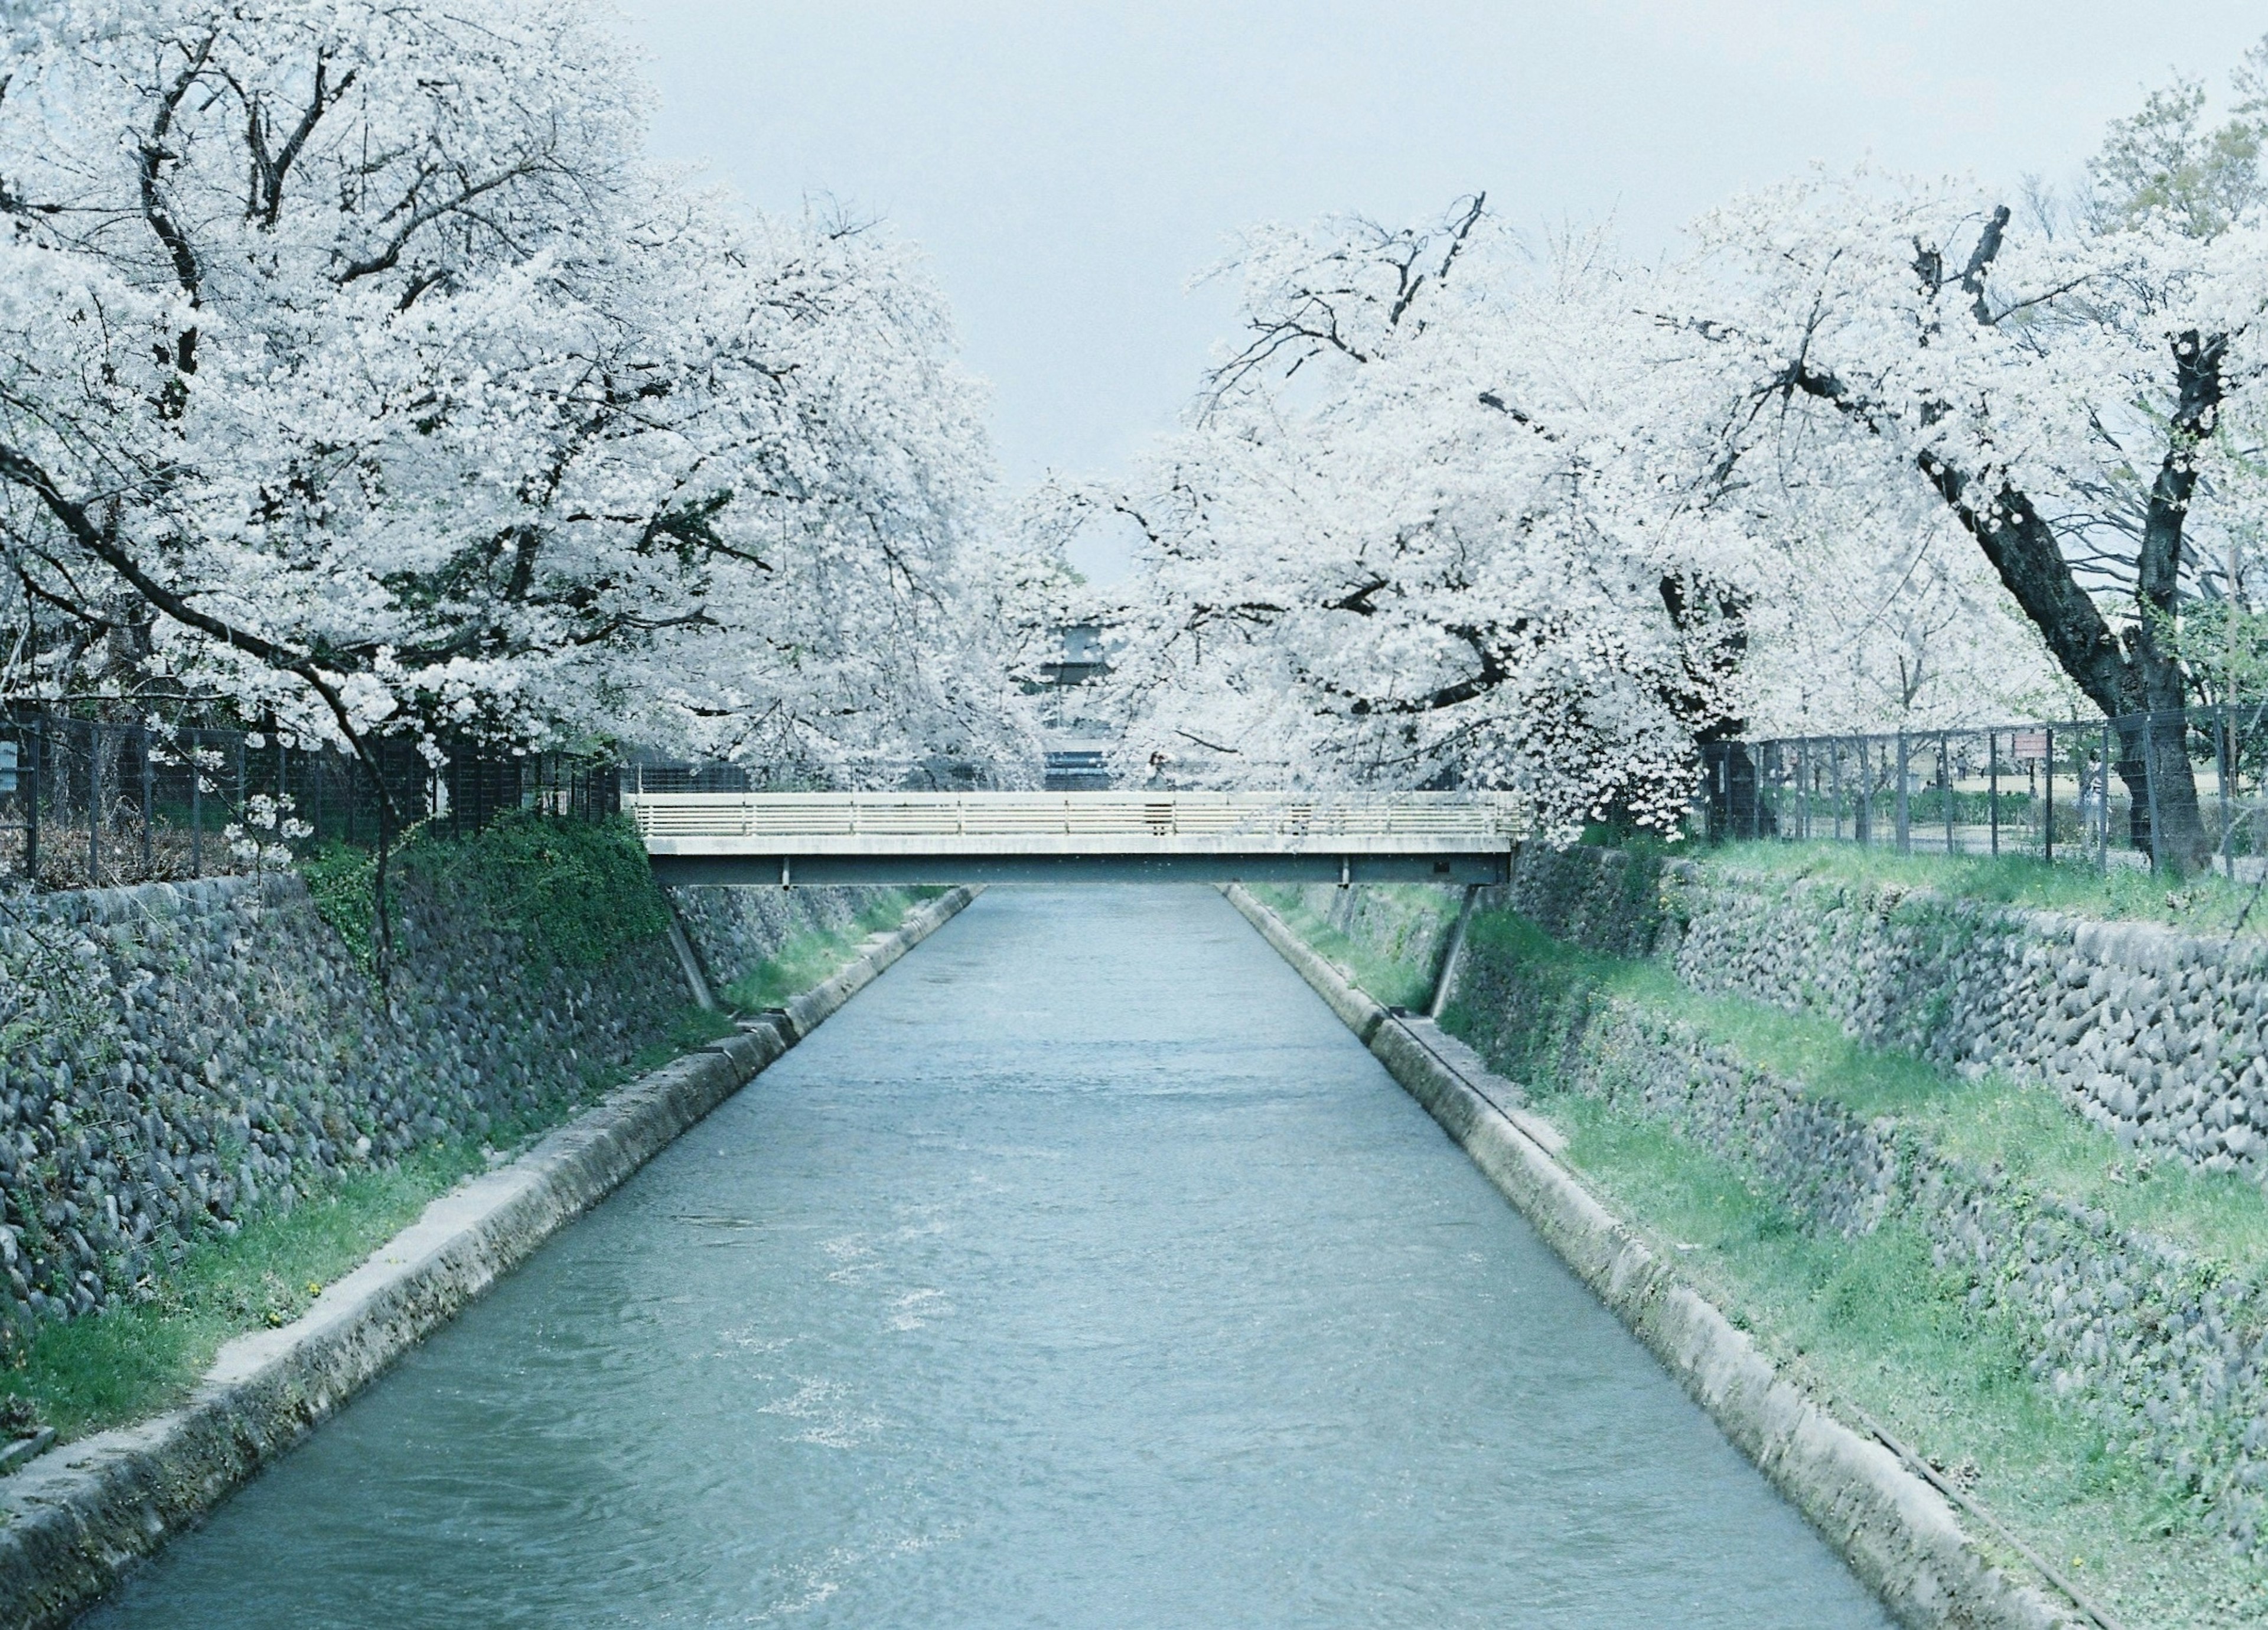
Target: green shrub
point(577, 893)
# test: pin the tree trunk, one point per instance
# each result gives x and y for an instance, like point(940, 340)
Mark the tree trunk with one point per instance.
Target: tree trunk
point(1734, 794)
point(2145, 676)
point(2181, 842)
point(2178, 840)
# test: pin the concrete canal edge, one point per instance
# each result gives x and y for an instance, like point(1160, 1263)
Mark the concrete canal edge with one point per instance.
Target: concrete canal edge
point(71, 1521)
point(1898, 1534)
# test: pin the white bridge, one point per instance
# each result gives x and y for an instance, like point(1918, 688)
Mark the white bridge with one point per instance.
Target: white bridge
point(952, 838)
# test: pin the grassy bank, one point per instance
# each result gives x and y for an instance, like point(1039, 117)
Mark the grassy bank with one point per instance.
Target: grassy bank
point(1399, 981)
point(2204, 903)
point(817, 955)
point(1873, 1321)
point(1988, 1120)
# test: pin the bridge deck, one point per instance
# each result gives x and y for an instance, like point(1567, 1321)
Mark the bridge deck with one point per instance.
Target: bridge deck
point(943, 836)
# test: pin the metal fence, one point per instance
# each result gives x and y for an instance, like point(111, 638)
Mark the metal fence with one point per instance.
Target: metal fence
point(2103, 792)
point(88, 802)
point(659, 776)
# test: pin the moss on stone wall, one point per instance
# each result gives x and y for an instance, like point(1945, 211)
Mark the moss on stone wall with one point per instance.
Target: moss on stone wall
point(1389, 938)
point(2135, 1296)
point(809, 954)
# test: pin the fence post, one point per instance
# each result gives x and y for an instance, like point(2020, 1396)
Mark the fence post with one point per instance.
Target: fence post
point(1993, 785)
point(1945, 775)
point(2047, 774)
point(1835, 783)
point(142, 742)
point(1803, 784)
point(197, 803)
point(2103, 859)
point(93, 804)
point(2227, 834)
point(1906, 830)
point(1862, 814)
point(32, 806)
point(2150, 777)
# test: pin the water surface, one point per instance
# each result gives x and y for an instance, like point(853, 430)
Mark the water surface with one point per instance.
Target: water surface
point(1084, 1271)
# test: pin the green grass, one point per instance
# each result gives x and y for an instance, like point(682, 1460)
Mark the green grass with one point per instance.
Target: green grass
point(816, 955)
point(134, 1360)
point(1874, 1322)
point(2204, 903)
point(1396, 983)
point(85, 1375)
point(1991, 1120)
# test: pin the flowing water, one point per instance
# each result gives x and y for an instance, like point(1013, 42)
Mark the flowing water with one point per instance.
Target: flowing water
point(1083, 1271)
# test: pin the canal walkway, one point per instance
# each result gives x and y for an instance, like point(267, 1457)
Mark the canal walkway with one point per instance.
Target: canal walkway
point(1084, 1271)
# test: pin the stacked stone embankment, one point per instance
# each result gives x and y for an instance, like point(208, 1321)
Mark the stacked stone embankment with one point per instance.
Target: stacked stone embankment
point(1897, 1533)
point(1408, 926)
point(2158, 1035)
point(72, 1521)
point(2148, 1033)
point(2168, 1351)
point(175, 1059)
point(2152, 1033)
point(733, 930)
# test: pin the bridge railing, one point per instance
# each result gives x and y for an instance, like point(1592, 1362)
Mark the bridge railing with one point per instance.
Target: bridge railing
point(788, 816)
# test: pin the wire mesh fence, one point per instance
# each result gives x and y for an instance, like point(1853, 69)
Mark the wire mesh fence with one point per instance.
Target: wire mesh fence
point(2168, 789)
point(86, 803)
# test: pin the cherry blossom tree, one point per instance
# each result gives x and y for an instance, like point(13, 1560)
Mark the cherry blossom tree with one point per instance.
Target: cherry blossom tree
point(357, 369)
point(1441, 521)
point(2068, 399)
point(1883, 616)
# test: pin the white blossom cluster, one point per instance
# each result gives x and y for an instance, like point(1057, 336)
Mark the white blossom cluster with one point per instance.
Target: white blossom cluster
point(1447, 517)
point(357, 366)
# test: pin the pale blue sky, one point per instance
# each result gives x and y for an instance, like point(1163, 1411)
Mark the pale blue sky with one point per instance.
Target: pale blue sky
point(1070, 165)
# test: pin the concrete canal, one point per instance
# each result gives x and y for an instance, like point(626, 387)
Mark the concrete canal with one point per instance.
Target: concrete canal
point(1084, 1271)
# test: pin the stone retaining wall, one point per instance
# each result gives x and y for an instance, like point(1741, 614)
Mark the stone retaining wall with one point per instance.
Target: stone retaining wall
point(735, 929)
point(1408, 924)
point(72, 1519)
point(2155, 1035)
point(2159, 1037)
point(2169, 1353)
point(2168, 1350)
point(176, 1057)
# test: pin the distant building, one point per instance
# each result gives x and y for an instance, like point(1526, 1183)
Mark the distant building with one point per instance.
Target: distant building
point(1076, 744)
point(1080, 657)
